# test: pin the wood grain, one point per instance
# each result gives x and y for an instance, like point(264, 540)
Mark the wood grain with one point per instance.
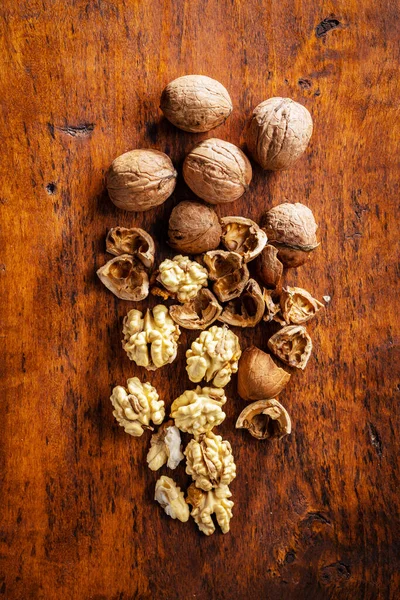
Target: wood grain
point(317, 515)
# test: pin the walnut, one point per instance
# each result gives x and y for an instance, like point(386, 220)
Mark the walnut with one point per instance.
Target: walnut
point(265, 419)
point(279, 133)
point(228, 271)
point(217, 171)
point(268, 267)
point(198, 411)
point(292, 345)
point(165, 447)
point(135, 407)
point(195, 103)
point(272, 307)
point(198, 313)
point(209, 461)
point(213, 356)
point(206, 504)
point(151, 342)
point(134, 241)
point(259, 377)
point(247, 310)
point(193, 228)
point(182, 277)
point(125, 276)
point(141, 179)
point(298, 306)
point(292, 229)
point(171, 498)
point(243, 236)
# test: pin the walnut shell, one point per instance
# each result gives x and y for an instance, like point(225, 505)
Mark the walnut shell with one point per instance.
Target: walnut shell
point(141, 179)
point(268, 267)
point(247, 310)
point(292, 345)
point(298, 306)
point(217, 171)
point(228, 272)
point(265, 419)
point(292, 229)
point(194, 228)
point(196, 103)
point(197, 314)
point(259, 377)
point(272, 307)
point(243, 236)
point(279, 133)
point(125, 277)
point(134, 241)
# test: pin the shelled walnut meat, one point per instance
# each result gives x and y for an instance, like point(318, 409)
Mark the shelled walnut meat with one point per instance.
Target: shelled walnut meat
point(126, 277)
point(228, 272)
point(243, 236)
point(171, 498)
point(206, 504)
point(136, 406)
point(199, 313)
point(259, 377)
point(198, 411)
point(194, 228)
point(265, 419)
point(209, 461)
point(182, 277)
point(165, 447)
point(247, 310)
point(292, 345)
point(217, 171)
point(195, 103)
point(134, 241)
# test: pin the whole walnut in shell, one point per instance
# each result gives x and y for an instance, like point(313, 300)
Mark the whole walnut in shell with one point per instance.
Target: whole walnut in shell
point(194, 228)
point(141, 179)
point(195, 103)
point(292, 229)
point(217, 171)
point(259, 377)
point(279, 133)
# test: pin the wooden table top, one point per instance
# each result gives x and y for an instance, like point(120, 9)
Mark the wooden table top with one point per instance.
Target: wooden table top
point(316, 514)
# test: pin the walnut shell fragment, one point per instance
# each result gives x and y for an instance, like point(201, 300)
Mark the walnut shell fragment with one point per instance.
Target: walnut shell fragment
point(265, 419)
point(199, 313)
point(259, 377)
point(196, 103)
point(243, 236)
point(268, 267)
point(134, 241)
point(293, 345)
point(209, 461)
point(165, 447)
point(205, 504)
point(298, 306)
point(217, 171)
point(171, 498)
point(279, 133)
point(247, 310)
point(125, 276)
point(141, 179)
point(272, 307)
point(228, 271)
point(194, 228)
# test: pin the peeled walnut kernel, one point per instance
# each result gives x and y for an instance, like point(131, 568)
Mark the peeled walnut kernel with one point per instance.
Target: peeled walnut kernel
point(228, 272)
point(298, 306)
point(165, 447)
point(206, 504)
point(141, 179)
point(182, 277)
point(259, 377)
point(136, 406)
point(213, 356)
point(265, 419)
point(292, 229)
point(151, 342)
point(243, 236)
point(279, 133)
point(194, 228)
point(198, 313)
point(133, 241)
point(269, 268)
point(171, 498)
point(196, 103)
point(292, 345)
point(217, 171)
point(209, 461)
point(198, 411)
point(125, 277)
point(247, 310)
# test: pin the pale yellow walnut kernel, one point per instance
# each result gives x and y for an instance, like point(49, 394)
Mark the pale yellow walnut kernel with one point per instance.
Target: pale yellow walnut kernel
point(165, 447)
point(209, 461)
point(206, 504)
point(182, 277)
point(198, 411)
point(137, 406)
point(171, 498)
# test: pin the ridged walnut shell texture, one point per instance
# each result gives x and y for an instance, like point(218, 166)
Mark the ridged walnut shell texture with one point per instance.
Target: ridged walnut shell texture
point(196, 103)
point(279, 133)
point(141, 179)
point(217, 171)
point(194, 228)
point(259, 377)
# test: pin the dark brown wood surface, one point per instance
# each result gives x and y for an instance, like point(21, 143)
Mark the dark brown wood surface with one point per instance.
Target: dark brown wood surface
point(316, 515)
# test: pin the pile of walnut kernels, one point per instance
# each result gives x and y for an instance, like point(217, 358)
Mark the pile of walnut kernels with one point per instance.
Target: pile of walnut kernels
point(208, 277)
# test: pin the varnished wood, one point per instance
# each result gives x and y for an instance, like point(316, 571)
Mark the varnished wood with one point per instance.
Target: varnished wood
point(316, 515)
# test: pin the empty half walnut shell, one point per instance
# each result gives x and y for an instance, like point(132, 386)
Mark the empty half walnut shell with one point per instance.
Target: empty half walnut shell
point(247, 310)
point(265, 419)
point(228, 271)
point(197, 314)
point(243, 236)
point(292, 345)
point(125, 276)
point(259, 377)
point(272, 307)
point(134, 241)
point(298, 306)
point(268, 267)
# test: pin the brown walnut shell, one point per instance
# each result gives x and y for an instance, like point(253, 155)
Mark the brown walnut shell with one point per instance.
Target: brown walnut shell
point(199, 313)
point(293, 345)
point(228, 272)
point(265, 419)
point(125, 276)
point(259, 377)
point(268, 267)
point(243, 236)
point(298, 306)
point(134, 241)
point(247, 310)
point(194, 228)
point(272, 307)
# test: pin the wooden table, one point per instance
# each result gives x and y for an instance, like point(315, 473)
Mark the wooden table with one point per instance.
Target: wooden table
point(316, 515)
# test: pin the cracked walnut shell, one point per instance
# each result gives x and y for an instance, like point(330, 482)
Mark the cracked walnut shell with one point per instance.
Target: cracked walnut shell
point(182, 277)
point(292, 345)
point(151, 342)
point(198, 411)
point(259, 377)
point(199, 313)
point(206, 504)
point(133, 241)
point(171, 498)
point(228, 272)
point(213, 356)
point(209, 461)
point(136, 406)
point(247, 310)
point(268, 267)
point(265, 419)
point(298, 306)
point(217, 171)
point(243, 236)
point(193, 228)
point(125, 277)
point(165, 447)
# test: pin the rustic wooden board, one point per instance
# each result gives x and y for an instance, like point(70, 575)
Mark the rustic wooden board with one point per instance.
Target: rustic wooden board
point(316, 515)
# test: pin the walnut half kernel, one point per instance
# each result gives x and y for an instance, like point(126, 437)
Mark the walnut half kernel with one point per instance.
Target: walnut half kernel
point(198, 411)
point(165, 447)
point(206, 504)
point(171, 498)
point(209, 461)
point(293, 345)
point(182, 277)
point(265, 419)
point(125, 277)
point(136, 406)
